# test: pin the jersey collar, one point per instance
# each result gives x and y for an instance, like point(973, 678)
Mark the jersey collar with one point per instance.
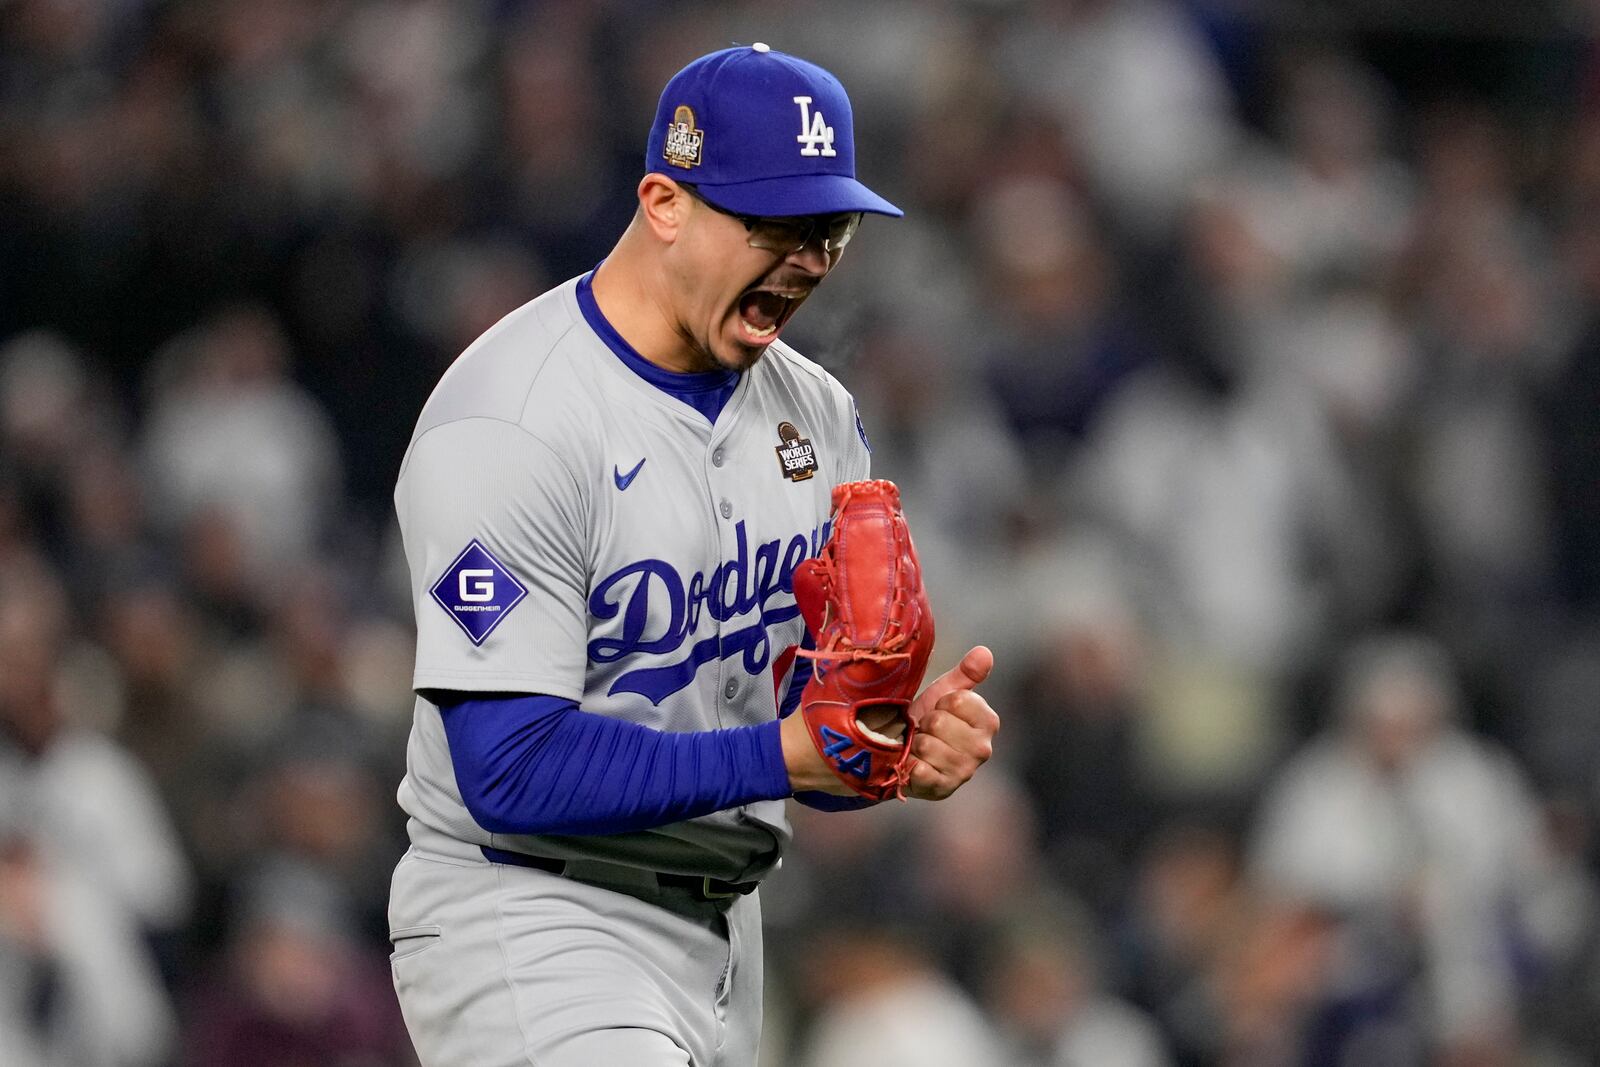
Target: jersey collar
point(694, 388)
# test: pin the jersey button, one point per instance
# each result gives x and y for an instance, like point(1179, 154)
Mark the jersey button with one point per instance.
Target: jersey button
point(716, 458)
point(731, 689)
point(727, 510)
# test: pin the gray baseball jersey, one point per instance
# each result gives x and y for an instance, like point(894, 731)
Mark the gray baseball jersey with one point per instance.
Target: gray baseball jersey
point(573, 530)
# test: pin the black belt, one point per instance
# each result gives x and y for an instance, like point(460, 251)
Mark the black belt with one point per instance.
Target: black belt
point(701, 888)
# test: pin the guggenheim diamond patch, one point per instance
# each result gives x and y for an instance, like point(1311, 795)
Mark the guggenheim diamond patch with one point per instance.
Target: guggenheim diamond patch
point(478, 592)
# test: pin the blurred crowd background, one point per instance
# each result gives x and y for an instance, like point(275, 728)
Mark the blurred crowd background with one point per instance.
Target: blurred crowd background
point(1241, 367)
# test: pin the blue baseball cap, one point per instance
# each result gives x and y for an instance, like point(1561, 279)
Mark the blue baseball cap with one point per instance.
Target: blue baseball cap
point(759, 132)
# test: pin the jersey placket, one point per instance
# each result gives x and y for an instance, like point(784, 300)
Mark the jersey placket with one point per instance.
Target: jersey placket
point(722, 475)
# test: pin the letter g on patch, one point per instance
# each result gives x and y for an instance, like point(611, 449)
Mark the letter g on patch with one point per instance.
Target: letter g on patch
point(475, 585)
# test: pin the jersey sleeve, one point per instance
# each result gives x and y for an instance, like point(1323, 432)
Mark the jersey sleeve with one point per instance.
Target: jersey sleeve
point(494, 530)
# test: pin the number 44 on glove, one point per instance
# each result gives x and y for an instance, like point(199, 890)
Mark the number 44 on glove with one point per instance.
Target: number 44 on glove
point(863, 601)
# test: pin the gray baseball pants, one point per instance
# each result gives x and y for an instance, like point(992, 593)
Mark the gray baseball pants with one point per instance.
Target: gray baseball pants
point(502, 966)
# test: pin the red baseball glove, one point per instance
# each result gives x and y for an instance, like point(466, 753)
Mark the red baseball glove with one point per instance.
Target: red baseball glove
point(867, 611)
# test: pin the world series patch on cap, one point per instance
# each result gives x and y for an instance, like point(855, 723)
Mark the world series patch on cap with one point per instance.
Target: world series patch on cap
point(761, 132)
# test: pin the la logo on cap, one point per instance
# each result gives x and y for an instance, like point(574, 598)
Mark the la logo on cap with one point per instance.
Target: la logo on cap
point(815, 133)
point(684, 142)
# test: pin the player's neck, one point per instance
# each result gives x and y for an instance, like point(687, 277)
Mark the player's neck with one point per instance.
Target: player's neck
point(639, 311)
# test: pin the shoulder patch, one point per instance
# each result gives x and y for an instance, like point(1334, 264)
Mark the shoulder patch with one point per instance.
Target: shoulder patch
point(477, 591)
point(862, 432)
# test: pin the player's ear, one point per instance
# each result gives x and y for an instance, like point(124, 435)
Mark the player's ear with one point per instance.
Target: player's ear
point(663, 206)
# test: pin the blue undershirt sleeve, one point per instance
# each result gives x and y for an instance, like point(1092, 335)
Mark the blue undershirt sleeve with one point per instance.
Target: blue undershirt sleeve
point(535, 764)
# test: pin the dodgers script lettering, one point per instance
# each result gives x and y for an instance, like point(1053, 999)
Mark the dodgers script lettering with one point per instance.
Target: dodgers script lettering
point(654, 589)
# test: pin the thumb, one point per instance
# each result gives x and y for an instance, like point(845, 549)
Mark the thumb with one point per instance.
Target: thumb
point(968, 674)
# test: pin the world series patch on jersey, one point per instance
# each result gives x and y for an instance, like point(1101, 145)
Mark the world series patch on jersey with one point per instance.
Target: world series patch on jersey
point(573, 530)
point(796, 454)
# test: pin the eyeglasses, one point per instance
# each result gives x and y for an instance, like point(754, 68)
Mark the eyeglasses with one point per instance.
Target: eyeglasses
point(790, 233)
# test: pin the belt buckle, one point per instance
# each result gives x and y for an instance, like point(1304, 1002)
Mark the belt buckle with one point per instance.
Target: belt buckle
point(711, 894)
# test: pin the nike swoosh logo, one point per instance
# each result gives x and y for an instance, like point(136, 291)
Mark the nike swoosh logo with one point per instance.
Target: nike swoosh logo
point(625, 480)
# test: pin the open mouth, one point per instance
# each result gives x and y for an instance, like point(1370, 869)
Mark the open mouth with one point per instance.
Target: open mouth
point(762, 313)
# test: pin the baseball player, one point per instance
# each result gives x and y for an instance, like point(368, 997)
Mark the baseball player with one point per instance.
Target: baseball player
point(603, 505)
